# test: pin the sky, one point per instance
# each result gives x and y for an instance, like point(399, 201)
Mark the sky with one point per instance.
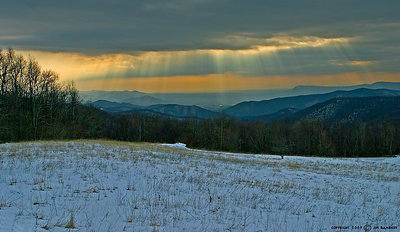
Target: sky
point(207, 45)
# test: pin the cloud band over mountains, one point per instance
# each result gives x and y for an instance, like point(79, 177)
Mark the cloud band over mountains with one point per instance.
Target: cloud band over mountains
point(105, 40)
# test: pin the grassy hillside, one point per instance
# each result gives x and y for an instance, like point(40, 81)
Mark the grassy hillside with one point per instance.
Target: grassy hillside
point(90, 185)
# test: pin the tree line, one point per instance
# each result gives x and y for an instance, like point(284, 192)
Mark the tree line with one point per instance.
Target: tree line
point(313, 138)
point(35, 105)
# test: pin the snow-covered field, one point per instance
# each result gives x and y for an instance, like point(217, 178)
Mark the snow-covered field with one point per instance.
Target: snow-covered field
point(116, 186)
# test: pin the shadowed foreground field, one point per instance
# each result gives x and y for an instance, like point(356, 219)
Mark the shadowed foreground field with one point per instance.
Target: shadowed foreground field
point(118, 186)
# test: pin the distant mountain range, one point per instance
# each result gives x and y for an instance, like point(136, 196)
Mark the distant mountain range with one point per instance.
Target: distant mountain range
point(221, 100)
point(352, 109)
point(298, 107)
point(283, 113)
point(114, 107)
point(312, 89)
point(131, 97)
point(182, 111)
point(171, 110)
point(267, 107)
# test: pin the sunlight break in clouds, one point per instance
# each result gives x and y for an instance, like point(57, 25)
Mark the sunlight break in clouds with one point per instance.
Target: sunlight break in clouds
point(160, 63)
point(259, 66)
point(353, 62)
point(256, 45)
point(361, 62)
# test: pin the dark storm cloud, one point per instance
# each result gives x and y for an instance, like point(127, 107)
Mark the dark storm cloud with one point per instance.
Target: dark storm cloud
point(134, 27)
point(120, 26)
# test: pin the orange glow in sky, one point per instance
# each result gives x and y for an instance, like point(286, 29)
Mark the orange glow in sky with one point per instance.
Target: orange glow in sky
point(228, 82)
point(217, 69)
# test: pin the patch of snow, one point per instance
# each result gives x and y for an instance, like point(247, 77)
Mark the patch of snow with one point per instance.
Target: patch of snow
point(178, 145)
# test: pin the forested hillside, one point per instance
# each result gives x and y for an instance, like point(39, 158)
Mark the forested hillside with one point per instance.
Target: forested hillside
point(367, 109)
point(267, 107)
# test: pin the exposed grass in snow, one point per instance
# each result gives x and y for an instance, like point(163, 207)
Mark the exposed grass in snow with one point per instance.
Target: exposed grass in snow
point(96, 185)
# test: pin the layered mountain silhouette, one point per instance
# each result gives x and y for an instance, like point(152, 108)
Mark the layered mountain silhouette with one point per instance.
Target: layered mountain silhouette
point(114, 107)
point(360, 104)
point(221, 100)
point(267, 107)
point(182, 111)
point(131, 97)
point(313, 89)
point(171, 110)
point(283, 113)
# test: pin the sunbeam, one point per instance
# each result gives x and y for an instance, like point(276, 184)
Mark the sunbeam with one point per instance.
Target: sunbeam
point(204, 70)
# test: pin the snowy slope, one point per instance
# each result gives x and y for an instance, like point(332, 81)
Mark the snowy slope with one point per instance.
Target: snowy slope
point(116, 186)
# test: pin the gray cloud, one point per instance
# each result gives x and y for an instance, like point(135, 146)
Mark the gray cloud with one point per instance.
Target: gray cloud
point(97, 27)
point(119, 26)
